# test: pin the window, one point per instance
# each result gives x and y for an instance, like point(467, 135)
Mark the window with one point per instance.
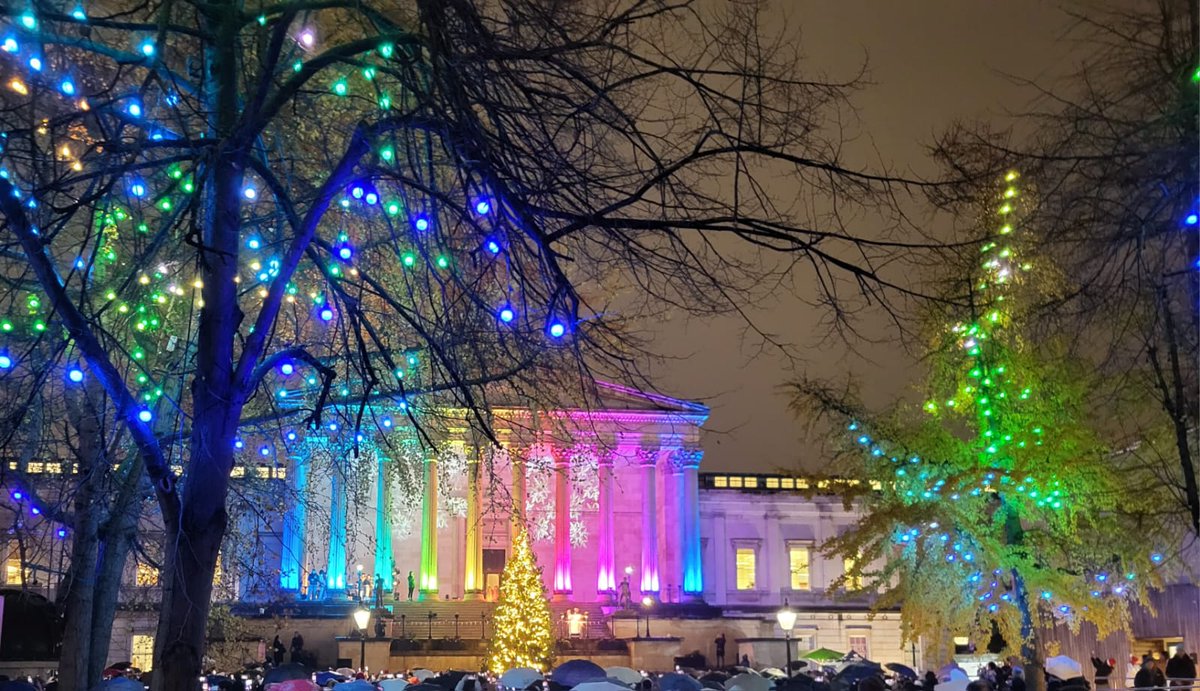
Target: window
point(798, 566)
point(145, 576)
point(859, 645)
point(735, 482)
point(12, 572)
point(789, 483)
point(720, 481)
point(852, 582)
point(745, 560)
point(751, 482)
point(141, 651)
point(772, 483)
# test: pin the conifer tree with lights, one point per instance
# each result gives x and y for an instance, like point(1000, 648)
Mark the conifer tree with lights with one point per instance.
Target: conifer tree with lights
point(523, 636)
point(992, 508)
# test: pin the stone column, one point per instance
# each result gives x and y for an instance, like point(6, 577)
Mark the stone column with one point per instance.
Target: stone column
point(648, 460)
point(295, 523)
point(335, 568)
point(562, 523)
point(693, 567)
point(473, 574)
point(517, 465)
point(384, 562)
point(606, 567)
point(428, 581)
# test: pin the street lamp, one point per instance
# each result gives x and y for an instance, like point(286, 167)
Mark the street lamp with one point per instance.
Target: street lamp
point(787, 621)
point(362, 617)
point(647, 602)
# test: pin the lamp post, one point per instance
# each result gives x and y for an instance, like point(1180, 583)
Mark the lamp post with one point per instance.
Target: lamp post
point(362, 617)
point(647, 602)
point(787, 620)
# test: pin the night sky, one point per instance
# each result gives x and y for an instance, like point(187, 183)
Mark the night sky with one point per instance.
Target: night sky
point(930, 62)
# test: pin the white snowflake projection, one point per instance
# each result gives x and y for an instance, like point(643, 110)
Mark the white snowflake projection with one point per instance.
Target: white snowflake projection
point(406, 473)
point(539, 497)
point(452, 468)
point(585, 491)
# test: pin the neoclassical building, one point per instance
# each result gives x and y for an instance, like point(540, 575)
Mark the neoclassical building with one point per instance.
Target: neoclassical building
point(605, 494)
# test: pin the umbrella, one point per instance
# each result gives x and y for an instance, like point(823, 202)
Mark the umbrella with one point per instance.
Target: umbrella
point(674, 681)
point(217, 681)
point(853, 673)
point(424, 686)
point(773, 673)
point(575, 672)
point(797, 682)
point(956, 683)
point(423, 674)
point(951, 671)
point(605, 685)
point(822, 655)
point(357, 685)
point(1063, 667)
point(293, 685)
point(447, 680)
point(520, 678)
point(464, 678)
point(748, 682)
point(16, 685)
point(122, 684)
point(718, 677)
point(324, 678)
point(345, 672)
point(393, 684)
point(292, 670)
point(901, 670)
point(623, 675)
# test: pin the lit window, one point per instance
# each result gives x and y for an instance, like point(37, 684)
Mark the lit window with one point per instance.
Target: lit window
point(745, 561)
point(859, 645)
point(772, 483)
point(237, 471)
point(852, 582)
point(735, 482)
point(801, 484)
point(798, 566)
point(262, 473)
point(145, 576)
point(141, 651)
point(789, 483)
point(751, 482)
point(12, 572)
point(36, 467)
point(720, 481)
point(281, 473)
point(54, 468)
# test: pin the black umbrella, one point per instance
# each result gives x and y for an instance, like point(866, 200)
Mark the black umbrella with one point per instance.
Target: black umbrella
point(286, 672)
point(447, 680)
point(848, 678)
point(718, 677)
point(797, 682)
point(901, 670)
point(16, 685)
point(549, 684)
point(424, 686)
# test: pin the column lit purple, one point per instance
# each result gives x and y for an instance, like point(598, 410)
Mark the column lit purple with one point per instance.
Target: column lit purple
point(606, 570)
point(649, 461)
point(562, 522)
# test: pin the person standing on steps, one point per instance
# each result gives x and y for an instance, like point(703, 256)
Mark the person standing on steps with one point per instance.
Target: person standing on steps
point(412, 585)
point(720, 643)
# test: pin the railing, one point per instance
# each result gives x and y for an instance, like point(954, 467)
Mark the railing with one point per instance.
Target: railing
point(439, 627)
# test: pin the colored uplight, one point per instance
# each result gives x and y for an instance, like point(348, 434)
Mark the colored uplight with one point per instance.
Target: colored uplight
point(145, 415)
point(507, 314)
point(482, 207)
point(557, 329)
point(75, 374)
point(287, 369)
point(326, 313)
point(421, 223)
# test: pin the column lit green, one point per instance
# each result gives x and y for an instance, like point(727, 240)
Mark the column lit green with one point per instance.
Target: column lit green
point(429, 561)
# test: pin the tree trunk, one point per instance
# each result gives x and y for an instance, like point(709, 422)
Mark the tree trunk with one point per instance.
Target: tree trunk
point(114, 552)
point(78, 599)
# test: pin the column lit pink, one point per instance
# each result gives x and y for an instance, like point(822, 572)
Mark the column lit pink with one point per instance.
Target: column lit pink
point(562, 522)
point(606, 571)
point(649, 524)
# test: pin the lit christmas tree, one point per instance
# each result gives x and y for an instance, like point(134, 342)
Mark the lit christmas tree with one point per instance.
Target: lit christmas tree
point(994, 509)
point(523, 636)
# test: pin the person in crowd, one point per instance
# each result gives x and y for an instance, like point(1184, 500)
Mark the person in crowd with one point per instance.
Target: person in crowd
point(277, 651)
point(980, 684)
point(720, 644)
point(412, 584)
point(1146, 676)
point(745, 660)
point(322, 584)
point(378, 591)
point(1104, 669)
point(1018, 679)
point(930, 681)
point(1181, 671)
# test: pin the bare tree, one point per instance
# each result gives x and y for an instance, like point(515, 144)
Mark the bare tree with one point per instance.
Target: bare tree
point(1115, 159)
point(245, 222)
